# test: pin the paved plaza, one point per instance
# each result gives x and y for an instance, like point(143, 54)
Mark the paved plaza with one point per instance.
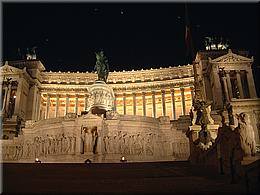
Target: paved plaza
point(151, 178)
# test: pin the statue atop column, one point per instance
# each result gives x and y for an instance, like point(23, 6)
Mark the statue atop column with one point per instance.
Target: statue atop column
point(101, 66)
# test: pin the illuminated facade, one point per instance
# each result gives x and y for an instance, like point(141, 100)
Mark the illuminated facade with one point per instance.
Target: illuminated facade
point(37, 95)
point(31, 95)
point(159, 92)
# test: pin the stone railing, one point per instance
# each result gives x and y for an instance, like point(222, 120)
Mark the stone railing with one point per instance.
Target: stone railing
point(120, 77)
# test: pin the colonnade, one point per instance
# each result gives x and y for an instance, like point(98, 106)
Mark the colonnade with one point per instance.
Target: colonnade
point(229, 86)
point(57, 105)
point(154, 95)
point(59, 109)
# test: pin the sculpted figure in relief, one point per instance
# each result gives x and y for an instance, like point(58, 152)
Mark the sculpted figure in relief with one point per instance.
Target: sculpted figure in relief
point(106, 144)
point(246, 134)
point(88, 140)
point(95, 140)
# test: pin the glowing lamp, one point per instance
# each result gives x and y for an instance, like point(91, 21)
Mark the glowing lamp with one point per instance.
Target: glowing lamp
point(123, 159)
point(37, 160)
point(88, 161)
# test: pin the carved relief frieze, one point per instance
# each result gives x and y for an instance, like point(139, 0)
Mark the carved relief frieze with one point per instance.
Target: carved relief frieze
point(231, 57)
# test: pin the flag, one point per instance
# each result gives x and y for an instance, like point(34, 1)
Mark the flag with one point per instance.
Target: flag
point(188, 38)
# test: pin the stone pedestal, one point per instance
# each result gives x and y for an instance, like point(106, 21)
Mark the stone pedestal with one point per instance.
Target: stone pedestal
point(213, 130)
point(101, 98)
point(194, 131)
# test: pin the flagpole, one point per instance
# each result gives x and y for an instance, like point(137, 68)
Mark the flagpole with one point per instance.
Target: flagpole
point(188, 37)
point(190, 51)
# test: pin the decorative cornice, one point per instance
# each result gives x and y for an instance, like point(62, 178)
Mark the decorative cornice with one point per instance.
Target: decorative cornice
point(133, 76)
point(6, 69)
point(231, 57)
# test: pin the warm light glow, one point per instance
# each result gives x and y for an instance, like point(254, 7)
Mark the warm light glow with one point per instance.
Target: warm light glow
point(37, 160)
point(123, 159)
point(14, 96)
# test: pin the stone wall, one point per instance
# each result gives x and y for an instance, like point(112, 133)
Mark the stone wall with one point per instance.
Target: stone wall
point(73, 138)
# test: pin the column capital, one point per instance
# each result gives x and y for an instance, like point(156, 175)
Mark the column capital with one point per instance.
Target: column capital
point(143, 93)
point(163, 91)
point(227, 71)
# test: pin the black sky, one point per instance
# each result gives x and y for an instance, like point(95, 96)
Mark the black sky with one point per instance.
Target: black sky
point(144, 36)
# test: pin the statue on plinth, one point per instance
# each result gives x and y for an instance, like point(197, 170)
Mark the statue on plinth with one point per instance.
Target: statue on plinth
point(101, 96)
point(89, 140)
point(101, 66)
point(205, 141)
point(246, 132)
point(202, 111)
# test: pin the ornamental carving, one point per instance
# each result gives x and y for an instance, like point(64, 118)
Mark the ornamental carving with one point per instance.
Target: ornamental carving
point(101, 96)
point(231, 57)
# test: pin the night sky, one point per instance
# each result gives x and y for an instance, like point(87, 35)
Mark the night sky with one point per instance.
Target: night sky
point(133, 36)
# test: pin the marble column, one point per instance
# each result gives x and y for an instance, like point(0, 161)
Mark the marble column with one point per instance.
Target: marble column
point(86, 102)
point(217, 89)
point(134, 103)
point(229, 86)
point(115, 102)
point(183, 101)
point(76, 104)
point(144, 103)
point(5, 97)
point(154, 104)
point(8, 97)
point(33, 92)
point(38, 106)
point(57, 106)
point(18, 99)
point(163, 103)
point(192, 93)
point(224, 80)
point(67, 104)
point(173, 105)
point(47, 106)
point(239, 85)
point(251, 83)
point(124, 103)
